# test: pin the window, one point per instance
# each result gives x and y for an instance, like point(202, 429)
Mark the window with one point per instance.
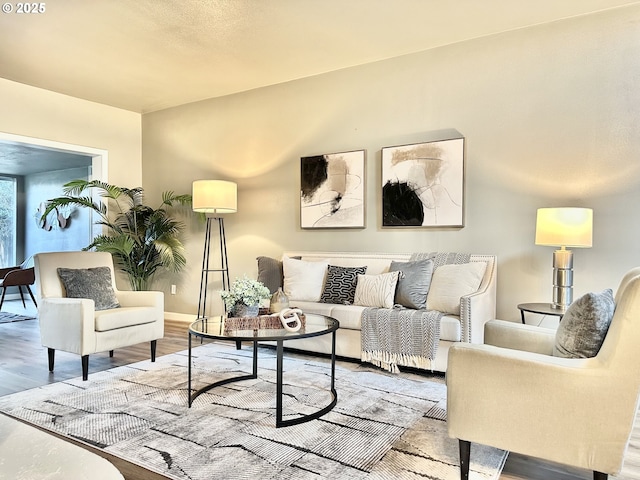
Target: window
point(8, 216)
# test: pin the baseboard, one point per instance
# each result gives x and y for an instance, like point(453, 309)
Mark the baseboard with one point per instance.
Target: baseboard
point(179, 319)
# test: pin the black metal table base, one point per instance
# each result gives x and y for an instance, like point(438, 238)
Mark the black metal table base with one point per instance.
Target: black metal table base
point(279, 377)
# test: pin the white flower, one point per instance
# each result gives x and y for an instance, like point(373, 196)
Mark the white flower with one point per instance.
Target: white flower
point(246, 291)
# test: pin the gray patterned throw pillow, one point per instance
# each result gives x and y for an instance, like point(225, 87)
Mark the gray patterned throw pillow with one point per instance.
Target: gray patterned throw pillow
point(584, 325)
point(92, 283)
point(340, 285)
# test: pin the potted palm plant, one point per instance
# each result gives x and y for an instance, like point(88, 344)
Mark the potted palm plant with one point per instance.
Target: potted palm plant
point(141, 239)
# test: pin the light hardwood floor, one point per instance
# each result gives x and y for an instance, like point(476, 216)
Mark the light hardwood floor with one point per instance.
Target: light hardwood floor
point(23, 365)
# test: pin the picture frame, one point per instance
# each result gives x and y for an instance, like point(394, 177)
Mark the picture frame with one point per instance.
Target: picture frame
point(332, 190)
point(423, 184)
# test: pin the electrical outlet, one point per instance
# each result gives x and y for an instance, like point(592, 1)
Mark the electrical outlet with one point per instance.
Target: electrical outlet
point(173, 289)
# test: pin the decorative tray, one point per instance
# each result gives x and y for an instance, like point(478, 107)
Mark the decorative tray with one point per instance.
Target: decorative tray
point(261, 322)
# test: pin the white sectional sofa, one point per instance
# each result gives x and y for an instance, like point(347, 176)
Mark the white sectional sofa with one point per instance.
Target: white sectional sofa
point(475, 308)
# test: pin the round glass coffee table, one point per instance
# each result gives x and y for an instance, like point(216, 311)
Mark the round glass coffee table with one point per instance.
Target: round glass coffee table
point(221, 328)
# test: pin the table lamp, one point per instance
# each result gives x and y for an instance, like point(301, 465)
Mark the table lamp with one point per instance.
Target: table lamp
point(214, 197)
point(564, 227)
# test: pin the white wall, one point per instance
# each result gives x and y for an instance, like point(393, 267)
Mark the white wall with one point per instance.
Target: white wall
point(550, 116)
point(38, 113)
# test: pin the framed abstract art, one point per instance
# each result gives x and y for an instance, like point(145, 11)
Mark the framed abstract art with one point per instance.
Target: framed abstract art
point(423, 184)
point(332, 190)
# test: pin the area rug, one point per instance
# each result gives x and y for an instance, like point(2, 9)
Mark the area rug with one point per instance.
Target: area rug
point(6, 317)
point(384, 426)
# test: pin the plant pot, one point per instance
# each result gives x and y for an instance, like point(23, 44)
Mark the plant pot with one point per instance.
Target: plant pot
point(242, 310)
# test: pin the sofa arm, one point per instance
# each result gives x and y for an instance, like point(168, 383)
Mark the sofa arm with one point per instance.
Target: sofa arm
point(477, 309)
point(130, 298)
point(517, 336)
point(68, 324)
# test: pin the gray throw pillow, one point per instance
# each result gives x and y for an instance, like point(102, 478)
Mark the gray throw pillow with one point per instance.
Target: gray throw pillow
point(340, 284)
point(270, 272)
point(92, 283)
point(584, 325)
point(413, 283)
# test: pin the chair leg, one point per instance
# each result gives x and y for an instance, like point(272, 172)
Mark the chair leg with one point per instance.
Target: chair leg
point(154, 343)
point(4, 290)
point(465, 454)
point(31, 294)
point(85, 367)
point(110, 353)
point(52, 356)
point(600, 476)
point(24, 305)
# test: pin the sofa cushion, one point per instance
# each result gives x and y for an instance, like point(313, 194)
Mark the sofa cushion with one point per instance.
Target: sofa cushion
point(376, 290)
point(452, 281)
point(584, 325)
point(303, 280)
point(413, 282)
point(340, 285)
point(92, 283)
point(124, 317)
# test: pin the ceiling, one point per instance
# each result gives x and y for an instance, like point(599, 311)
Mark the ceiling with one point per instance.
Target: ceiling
point(21, 159)
point(147, 55)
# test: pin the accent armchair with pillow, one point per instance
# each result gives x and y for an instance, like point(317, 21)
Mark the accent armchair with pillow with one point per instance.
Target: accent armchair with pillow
point(81, 310)
point(542, 393)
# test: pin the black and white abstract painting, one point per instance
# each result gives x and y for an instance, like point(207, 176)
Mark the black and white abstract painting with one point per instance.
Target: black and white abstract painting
point(423, 184)
point(332, 190)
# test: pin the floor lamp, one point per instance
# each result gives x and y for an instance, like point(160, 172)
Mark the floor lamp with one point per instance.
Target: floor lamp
point(214, 197)
point(564, 227)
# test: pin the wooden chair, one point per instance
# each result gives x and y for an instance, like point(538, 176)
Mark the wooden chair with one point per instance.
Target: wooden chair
point(19, 276)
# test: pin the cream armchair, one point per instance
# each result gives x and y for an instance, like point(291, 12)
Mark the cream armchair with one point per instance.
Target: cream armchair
point(512, 394)
point(74, 325)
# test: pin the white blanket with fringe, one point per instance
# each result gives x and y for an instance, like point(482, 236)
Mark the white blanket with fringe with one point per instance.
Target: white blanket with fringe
point(400, 336)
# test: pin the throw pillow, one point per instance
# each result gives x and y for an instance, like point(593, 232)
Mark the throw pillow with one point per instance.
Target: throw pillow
point(92, 283)
point(413, 282)
point(376, 290)
point(303, 280)
point(452, 281)
point(584, 325)
point(270, 273)
point(340, 286)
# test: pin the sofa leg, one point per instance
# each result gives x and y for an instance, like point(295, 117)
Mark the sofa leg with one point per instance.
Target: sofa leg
point(85, 367)
point(154, 343)
point(600, 476)
point(51, 353)
point(465, 454)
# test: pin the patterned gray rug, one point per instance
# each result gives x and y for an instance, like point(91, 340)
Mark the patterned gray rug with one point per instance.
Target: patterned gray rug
point(6, 317)
point(384, 426)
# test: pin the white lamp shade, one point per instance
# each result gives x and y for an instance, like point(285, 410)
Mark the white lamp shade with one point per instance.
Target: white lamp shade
point(215, 196)
point(564, 227)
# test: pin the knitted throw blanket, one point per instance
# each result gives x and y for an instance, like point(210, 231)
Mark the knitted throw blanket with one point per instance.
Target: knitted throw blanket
point(401, 336)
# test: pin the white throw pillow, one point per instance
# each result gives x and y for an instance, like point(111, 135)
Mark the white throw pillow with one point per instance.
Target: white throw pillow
point(450, 282)
point(303, 280)
point(376, 290)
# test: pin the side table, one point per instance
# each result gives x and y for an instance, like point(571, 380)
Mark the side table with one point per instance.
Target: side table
point(540, 308)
